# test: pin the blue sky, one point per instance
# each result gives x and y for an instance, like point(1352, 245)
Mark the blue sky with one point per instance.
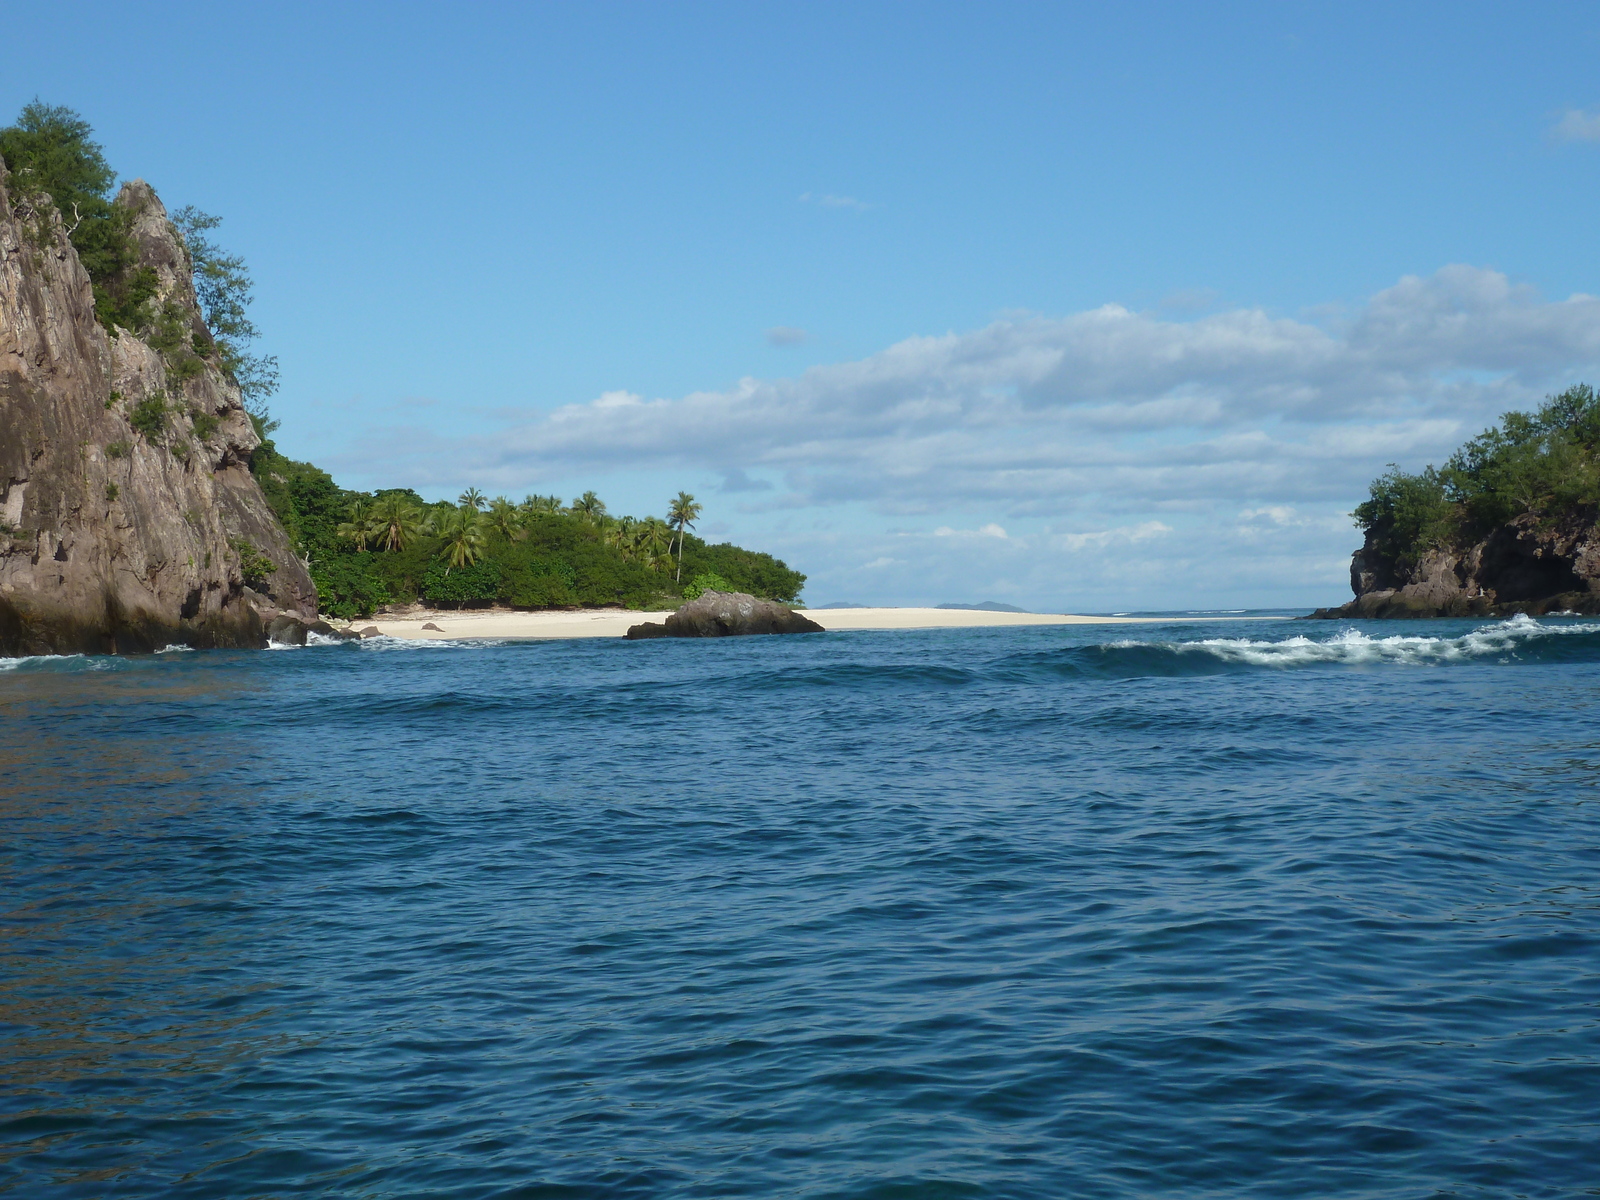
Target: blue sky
point(1085, 306)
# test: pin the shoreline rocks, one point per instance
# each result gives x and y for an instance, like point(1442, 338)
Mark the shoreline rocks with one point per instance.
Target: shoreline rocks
point(1524, 566)
point(726, 614)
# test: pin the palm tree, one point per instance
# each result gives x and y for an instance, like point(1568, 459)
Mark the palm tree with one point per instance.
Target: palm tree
point(504, 519)
point(359, 527)
point(396, 521)
point(654, 540)
point(620, 536)
point(471, 498)
point(589, 506)
point(683, 513)
point(465, 532)
point(541, 504)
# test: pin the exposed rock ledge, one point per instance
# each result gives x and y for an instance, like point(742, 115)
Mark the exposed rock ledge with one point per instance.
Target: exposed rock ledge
point(1524, 566)
point(111, 540)
point(727, 614)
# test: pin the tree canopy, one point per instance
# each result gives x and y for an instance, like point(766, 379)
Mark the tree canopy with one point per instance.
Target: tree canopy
point(54, 160)
point(366, 549)
point(51, 153)
point(1544, 464)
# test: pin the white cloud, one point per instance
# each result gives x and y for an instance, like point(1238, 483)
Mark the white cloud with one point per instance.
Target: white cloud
point(1129, 534)
point(786, 335)
point(1034, 414)
point(1576, 125)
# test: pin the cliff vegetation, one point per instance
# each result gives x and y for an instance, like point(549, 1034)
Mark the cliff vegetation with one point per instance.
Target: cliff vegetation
point(129, 519)
point(1507, 524)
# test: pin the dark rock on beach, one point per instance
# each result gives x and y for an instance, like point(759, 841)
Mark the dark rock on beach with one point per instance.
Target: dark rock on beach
point(727, 614)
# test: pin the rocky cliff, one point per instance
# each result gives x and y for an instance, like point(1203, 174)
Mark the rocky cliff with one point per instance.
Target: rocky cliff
point(1527, 565)
point(129, 519)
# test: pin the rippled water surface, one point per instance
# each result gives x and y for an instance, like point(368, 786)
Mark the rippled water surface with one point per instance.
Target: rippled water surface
point(1256, 909)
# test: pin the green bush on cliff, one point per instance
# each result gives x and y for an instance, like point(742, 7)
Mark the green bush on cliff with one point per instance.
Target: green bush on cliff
point(50, 152)
point(1544, 464)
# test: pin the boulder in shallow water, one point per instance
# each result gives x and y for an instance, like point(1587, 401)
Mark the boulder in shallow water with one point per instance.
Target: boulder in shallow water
point(287, 631)
point(727, 614)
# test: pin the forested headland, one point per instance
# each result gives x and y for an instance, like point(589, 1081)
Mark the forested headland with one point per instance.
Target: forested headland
point(1543, 466)
point(361, 549)
point(1507, 525)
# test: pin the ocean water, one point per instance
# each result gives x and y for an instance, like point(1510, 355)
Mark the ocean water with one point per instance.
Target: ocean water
point(1263, 909)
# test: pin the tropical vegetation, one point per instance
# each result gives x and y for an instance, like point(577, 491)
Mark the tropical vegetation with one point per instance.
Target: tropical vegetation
point(1544, 465)
point(364, 549)
point(58, 169)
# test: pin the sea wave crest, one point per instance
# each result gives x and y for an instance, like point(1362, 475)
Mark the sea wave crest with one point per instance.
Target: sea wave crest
point(1516, 638)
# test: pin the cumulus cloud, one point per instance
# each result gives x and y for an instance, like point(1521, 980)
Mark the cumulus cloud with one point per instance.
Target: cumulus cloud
point(1576, 125)
point(1032, 414)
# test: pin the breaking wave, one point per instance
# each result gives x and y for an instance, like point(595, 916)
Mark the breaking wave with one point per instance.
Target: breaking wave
point(1518, 640)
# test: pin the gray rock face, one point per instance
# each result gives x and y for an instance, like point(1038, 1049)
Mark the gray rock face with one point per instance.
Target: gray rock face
point(113, 539)
point(727, 614)
point(1523, 566)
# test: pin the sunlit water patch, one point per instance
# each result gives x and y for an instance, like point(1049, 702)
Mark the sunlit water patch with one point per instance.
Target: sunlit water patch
point(1200, 910)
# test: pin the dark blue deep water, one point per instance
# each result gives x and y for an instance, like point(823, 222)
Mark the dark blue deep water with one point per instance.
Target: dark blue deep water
point(1249, 910)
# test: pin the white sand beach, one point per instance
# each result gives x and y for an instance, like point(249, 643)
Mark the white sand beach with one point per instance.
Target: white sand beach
point(613, 622)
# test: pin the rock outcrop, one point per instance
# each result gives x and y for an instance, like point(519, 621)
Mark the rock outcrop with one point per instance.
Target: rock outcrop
point(1523, 566)
point(129, 519)
point(727, 614)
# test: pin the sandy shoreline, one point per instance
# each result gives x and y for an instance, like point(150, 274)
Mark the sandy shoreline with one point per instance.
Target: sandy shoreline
point(611, 622)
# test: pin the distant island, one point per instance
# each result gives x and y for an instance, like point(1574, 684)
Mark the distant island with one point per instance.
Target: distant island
point(1507, 525)
point(143, 502)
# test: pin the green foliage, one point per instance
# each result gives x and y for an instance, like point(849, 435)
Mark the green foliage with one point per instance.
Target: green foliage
point(1408, 513)
point(224, 288)
point(205, 424)
point(463, 534)
point(1544, 464)
point(706, 581)
point(534, 555)
point(745, 570)
point(254, 567)
point(117, 449)
point(149, 416)
point(443, 584)
point(51, 154)
point(111, 491)
point(347, 586)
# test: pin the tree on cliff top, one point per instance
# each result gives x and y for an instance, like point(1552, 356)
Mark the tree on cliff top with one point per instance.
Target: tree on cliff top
point(50, 152)
point(1544, 464)
point(223, 286)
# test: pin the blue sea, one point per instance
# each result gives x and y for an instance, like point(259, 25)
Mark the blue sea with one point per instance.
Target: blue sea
point(1245, 909)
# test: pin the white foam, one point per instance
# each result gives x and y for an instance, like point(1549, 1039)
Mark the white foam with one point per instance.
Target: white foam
point(385, 642)
point(1352, 646)
point(96, 663)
